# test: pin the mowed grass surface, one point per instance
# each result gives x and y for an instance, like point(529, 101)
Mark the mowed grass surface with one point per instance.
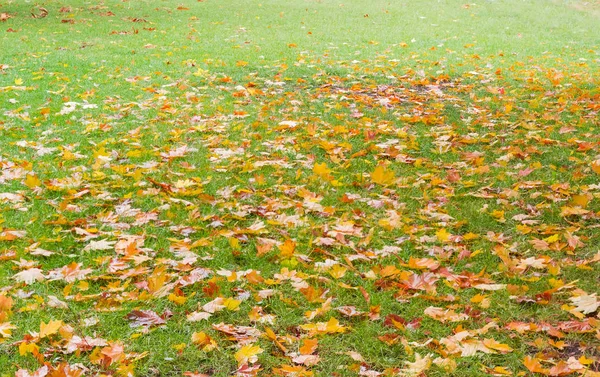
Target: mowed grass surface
point(414, 185)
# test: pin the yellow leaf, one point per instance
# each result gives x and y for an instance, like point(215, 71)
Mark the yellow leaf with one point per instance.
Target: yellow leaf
point(496, 346)
point(581, 200)
point(232, 304)
point(134, 153)
point(553, 238)
point(32, 181)
point(247, 354)
point(25, 348)
point(18, 81)
point(157, 280)
point(337, 271)
point(585, 361)
point(382, 176)
point(137, 175)
point(503, 371)
point(83, 285)
point(205, 342)
point(442, 235)
point(322, 171)
point(569, 211)
point(470, 236)
point(334, 326)
point(179, 347)
point(498, 215)
point(67, 155)
point(49, 329)
point(482, 300)
point(179, 300)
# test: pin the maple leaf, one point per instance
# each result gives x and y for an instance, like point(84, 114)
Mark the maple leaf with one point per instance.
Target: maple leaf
point(445, 315)
point(570, 211)
point(232, 304)
point(287, 248)
point(349, 311)
point(32, 181)
point(423, 263)
point(6, 303)
point(415, 368)
point(596, 166)
point(146, 318)
point(29, 276)
point(41, 372)
point(307, 360)
point(248, 354)
point(11, 235)
point(198, 316)
point(5, 329)
point(534, 365)
point(100, 245)
point(355, 356)
point(585, 303)
point(330, 327)
point(205, 342)
point(497, 346)
point(50, 328)
point(337, 271)
point(113, 353)
point(157, 282)
point(322, 171)
point(382, 176)
point(308, 346)
point(442, 235)
point(173, 218)
point(246, 370)
point(490, 287)
point(69, 273)
point(215, 305)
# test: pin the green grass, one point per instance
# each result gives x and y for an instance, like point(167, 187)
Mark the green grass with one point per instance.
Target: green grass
point(457, 100)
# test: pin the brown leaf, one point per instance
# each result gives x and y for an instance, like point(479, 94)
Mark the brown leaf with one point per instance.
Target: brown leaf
point(146, 318)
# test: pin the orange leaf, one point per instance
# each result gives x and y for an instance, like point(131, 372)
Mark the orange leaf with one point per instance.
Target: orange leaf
point(308, 346)
point(287, 248)
point(205, 342)
point(534, 365)
point(596, 166)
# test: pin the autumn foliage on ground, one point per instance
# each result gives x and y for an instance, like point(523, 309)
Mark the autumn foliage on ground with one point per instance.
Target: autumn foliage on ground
point(363, 218)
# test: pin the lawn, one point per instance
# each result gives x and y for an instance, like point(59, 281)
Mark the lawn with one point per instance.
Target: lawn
point(307, 188)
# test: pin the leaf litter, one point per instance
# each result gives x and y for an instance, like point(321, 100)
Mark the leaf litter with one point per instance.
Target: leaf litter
point(433, 210)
